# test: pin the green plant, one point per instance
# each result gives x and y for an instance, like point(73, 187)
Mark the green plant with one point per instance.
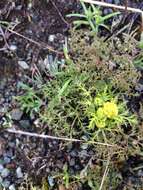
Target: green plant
point(105, 62)
point(104, 110)
point(66, 176)
point(141, 41)
point(92, 17)
point(138, 62)
point(30, 102)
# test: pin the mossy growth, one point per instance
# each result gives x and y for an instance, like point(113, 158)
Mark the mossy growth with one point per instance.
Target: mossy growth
point(110, 59)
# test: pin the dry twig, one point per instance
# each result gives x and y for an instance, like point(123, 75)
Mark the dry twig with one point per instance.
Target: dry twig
point(19, 132)
point(105, 173)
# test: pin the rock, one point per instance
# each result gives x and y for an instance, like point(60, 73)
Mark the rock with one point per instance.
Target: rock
point(69, 147)
point(73, 153)
point(12, 187)
point(72, 162)
point(25, 124)
point(1, 180)
point(51, 38)
point(5, 172)
point(140, 173)
point(8, 153)
point(51, 181)
point(84, 146)
point(19, 172)
point(13, 47)
point(23, 64)
point(1, 168)
point(16, 114)
point(7, 160)
point(3, 109)
point(83, 153)
point(5, 183)
point(11, 144)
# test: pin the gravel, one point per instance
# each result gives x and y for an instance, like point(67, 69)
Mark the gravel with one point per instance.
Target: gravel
point(5, 173)
point(51, 38)
point(6, 183)
point(23, 64)
point(19, 173)
point(12, 187)
point(25, 124)
point(16, 114)
point(1, 168)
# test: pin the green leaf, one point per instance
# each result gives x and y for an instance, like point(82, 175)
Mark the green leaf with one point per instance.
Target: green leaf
point(109, 16)
point(76, 15)
point(63, 89)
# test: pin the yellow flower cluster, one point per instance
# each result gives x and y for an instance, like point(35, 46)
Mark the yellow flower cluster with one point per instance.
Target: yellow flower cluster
point(108, 110)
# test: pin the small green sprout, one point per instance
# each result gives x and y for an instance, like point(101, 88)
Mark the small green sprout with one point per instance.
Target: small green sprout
point(91, 17)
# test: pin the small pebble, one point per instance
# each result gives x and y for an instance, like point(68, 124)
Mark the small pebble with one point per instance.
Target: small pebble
point(5, 183)
point(73, 153)
point(16, 114)
point(9, 153)
point(140, 173)
point(7, 160)
point(13, 47)
point(84, 146)
point(5, 172)
point(51, 38)
point(23, 64)
point(19, 172)
point(1, 180)
point(12, 187)
point(25, 124)
point(72, 162)
point(1, 168)
point(51, 181)
point(11, 144)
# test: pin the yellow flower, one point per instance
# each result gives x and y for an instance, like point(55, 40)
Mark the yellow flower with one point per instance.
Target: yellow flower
point(110, 109)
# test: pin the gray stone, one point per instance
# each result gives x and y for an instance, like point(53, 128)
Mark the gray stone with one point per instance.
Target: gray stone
point(25, 124)
point(7, 160)
point(51, 38)
point(5, 172)
point(11, 144)
point(1, 180)
point(16, 114)
point(5, 183)
point(23, 64)
point(12, 187)
point(8, 154)
point(19, 172)
point(84, 146)
point(13, 47)
point(83, 153)
point(1, 168)
point(51, 181)
point(72, 162)
point(3, 109)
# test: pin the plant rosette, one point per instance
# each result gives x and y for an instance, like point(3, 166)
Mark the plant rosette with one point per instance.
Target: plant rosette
point(109, 114)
